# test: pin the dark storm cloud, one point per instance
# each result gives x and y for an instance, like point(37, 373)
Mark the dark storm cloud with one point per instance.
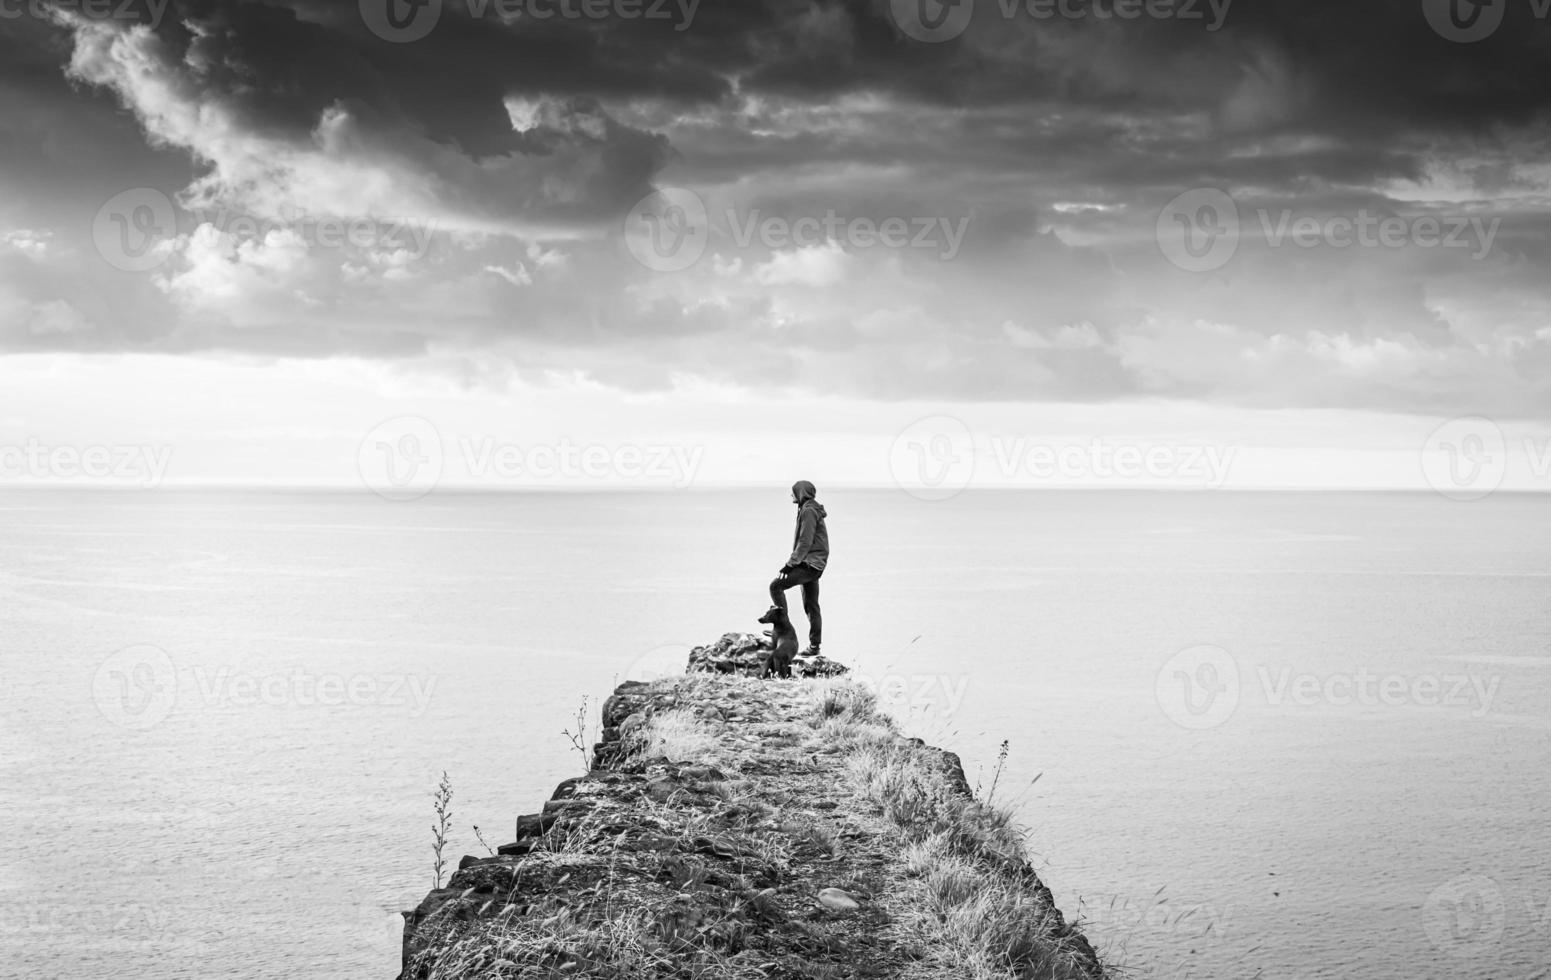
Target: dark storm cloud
point(1060, 138)
point(1375, 74)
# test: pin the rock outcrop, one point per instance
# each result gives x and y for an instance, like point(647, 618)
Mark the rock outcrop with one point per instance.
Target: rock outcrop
point(745, 653)
point(763, 829)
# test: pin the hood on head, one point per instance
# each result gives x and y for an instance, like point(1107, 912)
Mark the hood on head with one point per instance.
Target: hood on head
point(805, 492)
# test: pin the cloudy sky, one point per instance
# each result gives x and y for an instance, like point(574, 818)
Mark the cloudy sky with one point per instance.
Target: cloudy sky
point(853, 239)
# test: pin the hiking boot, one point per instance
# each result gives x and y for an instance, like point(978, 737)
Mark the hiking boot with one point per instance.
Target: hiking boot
point(812, 651)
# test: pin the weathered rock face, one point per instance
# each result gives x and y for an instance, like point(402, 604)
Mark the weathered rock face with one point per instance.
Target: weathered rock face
point(751, 830)
point(745, 653)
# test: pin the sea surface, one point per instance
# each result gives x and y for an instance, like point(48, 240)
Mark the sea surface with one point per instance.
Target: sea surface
point(1251, 735)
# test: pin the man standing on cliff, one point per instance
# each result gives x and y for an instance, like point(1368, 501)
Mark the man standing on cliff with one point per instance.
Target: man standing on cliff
point(810, 553)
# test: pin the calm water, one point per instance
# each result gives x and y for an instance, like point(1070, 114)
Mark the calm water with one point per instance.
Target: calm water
point(224, 713)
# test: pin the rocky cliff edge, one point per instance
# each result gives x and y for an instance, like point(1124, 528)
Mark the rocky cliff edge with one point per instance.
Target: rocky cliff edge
point(732, 827)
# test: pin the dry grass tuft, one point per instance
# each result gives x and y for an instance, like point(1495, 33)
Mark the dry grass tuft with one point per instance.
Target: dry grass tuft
point(678, 736)
point(977, 912)
point(846, 701)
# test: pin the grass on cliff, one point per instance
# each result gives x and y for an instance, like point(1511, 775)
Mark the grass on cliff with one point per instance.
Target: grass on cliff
point(968, 892)
point(968, 895)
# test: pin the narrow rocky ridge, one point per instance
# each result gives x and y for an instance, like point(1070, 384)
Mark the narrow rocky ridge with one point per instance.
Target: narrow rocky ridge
point(748, 851)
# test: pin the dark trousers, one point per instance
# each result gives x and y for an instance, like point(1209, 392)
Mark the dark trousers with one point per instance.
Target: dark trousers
point(808, 577)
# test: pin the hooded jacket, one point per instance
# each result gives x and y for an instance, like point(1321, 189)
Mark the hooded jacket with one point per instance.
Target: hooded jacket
point(810, 545)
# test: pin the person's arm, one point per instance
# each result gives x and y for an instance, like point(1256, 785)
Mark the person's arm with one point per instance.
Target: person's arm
point(807, 526)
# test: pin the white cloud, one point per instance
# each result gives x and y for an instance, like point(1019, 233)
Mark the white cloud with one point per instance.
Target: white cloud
point(232, 275)
point(31, 242)
point(815, 265)
point(517, 277)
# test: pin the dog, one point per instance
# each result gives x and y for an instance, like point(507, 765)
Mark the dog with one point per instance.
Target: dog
point(783, 643)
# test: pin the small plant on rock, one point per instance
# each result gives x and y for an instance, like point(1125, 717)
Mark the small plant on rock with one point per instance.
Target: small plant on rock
point(579, 737)
point(443, 808)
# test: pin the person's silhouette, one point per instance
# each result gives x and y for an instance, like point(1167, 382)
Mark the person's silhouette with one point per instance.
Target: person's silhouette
point(810, 553)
